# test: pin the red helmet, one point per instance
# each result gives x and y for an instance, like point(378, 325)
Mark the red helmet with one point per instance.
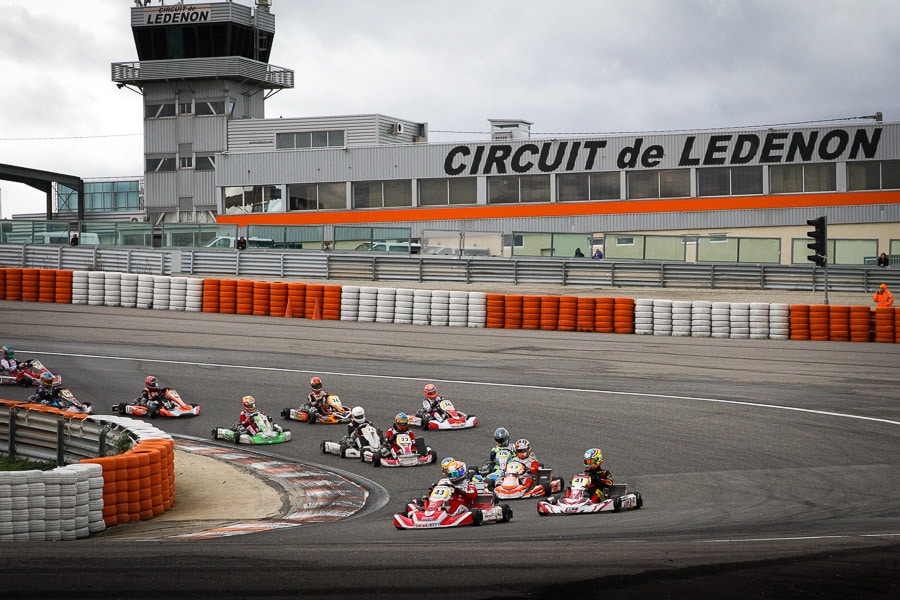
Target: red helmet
point(430, 391)
point(316, 384)
point(150, 382)
point(401, 422)
point(249, 403)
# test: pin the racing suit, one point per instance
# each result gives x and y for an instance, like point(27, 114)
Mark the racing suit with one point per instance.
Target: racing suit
point(601, 480)
point(9, 364)
point(48, 395)
point(156, 394)
point(354, 431)
point(316, 400)
point(532, 464)
point(247, 422)
point(429, 405)
point(389, 435)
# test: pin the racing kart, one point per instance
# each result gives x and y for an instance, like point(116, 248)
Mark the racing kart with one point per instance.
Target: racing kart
point(517, 483)
point(268, 432)
point(445, 416)
point(29, 373)
point(171, 405)
point(442, 510)
point(333, 412)
point(577, 502)
point(63, 399)
point(403, 452)
point(364, 446)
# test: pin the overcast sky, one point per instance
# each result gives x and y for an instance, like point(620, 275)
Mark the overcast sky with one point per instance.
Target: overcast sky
point(589, 66)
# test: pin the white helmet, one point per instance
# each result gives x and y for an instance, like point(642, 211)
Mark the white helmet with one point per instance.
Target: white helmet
point(358, 414)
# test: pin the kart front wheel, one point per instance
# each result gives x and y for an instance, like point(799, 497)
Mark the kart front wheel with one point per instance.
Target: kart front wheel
point(215, 433)
point(322, 447)
point(506, 513)
point(477, 517)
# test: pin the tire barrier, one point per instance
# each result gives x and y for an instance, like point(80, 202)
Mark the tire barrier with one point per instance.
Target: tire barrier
point(642, 316)
point(76, 500)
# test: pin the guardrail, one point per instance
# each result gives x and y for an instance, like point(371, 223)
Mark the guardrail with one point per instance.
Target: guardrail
point(418, 268)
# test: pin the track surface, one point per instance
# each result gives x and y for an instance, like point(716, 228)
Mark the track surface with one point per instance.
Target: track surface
point(767, 468)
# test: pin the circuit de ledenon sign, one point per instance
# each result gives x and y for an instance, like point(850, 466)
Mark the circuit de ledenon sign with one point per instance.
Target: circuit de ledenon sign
point(177, 14)
point(710, 149)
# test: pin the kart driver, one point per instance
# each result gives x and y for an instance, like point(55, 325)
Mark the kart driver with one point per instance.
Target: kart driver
point(47, 393)
point(152, 391)
point(358, 420)
point(316, 397)
point(464, 489)
point(401, 425)
point(9, 362)
point(246, 419)
point(501, 437)
point(431, 401)
point(525, 456)
point(601, 479)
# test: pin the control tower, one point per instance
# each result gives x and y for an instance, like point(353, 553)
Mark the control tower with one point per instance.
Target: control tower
point(199, 66)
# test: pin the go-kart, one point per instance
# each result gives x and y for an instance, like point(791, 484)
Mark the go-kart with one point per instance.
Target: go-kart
point(63, 399)
point(517, 482)
point(171, 405)
point(577, 502)
point(442, 509)
point(492, 471)
point(268, 432)
point(403, 451)
point(445, 416)
point(363, 446)
point(332, 412)
point(29, 373)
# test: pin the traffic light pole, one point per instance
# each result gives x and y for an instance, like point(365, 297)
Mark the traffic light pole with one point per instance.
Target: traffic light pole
point(819, 246)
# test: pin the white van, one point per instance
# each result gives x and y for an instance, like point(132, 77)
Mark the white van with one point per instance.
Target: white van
point(406, 247)
point(227, 241)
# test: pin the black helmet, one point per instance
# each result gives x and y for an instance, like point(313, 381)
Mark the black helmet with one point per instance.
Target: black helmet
point(501, 436)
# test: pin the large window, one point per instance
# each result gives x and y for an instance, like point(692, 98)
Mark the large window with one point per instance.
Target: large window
point(160, 165)
point(730, 181)
point(515, 189)
point(101, 196)
point(382, 194)
point(873, 175)
point(442, 192)
point(317, 196)
point(252, 199)
point(573, 187)
point(666, 183)
point(332, 138)
point(795, 179)
point(159, 111)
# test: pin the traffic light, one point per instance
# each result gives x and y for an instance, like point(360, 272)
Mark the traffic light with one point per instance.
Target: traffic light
point(820, 244)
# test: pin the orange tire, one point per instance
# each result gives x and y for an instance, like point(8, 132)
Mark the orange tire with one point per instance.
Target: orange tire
point(512, 311)
point(531, 312)
point(63, 287)
point(331, 303)
point(2, 283)
point(244, 297)
point(315, 297)
point(14, 284)
point(261, 293)
point(31, 284)
point(296, 299)
point(47, 285)
point(278, 293)
point(496, 314)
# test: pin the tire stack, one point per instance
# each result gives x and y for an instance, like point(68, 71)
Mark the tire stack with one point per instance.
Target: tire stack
point(368, 304)
point(331, 303)
point(586, 314)
point(96, 292)
point(440, 308)
point(759, 320)
point(819, 329)
point(31, 284)
point(297, 298)
point(624, 315)
point(145, 291)
point(605, 315)
point(385, 304)
point(128, 289)
point(403, 306)
point(779, 322)
point(278, 299)
point(476, 314)
point(531, 312)
point(80, 284)
point(860, 324)
point(112, 289)
point(458, 309)
point(350, 303)
point(662, 317)
point(839, 324)
point(212, 295)
point(568, 313)
point(178, 293)
point(193, 295)
point(886, 324)
point(162, 286)
point(63, 287)
point(549, 313)
point(739, 320)
point(701, 318)
point(720, 326)
point(799, 321)
point(643, 316)
point(315, 300)
point(261, 296)
point(496, 311)
point(422, 307)
point(47, 285)
point(682, 319)
point(513, 311)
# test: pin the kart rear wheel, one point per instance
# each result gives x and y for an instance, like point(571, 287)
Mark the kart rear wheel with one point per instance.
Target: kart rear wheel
point(122, 410)
point(506, 514)
point(433, 455)
point(640, 501)
point(286, 413)
point(617, 504)
point(477, 517)
point(322, 447)
point(425, 421)
point(215, 433)
point(376, 460)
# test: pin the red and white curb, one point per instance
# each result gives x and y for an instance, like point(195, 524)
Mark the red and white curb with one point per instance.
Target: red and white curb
point(327, 496)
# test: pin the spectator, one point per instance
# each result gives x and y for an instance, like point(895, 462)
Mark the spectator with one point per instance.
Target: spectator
point(883, 297)
point(598, 254)
point(883, 260)
point(326, 246)
point(241, 243)
point(579, 253)
point(73, 241)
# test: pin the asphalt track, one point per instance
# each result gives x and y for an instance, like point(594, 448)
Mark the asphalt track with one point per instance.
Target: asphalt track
point(768, 468)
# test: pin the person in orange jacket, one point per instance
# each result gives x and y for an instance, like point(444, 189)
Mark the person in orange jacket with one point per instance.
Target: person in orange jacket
point(883, 297)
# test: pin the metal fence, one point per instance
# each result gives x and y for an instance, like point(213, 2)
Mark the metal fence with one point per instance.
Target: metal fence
point(421, 268)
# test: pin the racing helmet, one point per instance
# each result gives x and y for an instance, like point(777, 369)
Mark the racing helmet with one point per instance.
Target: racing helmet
point(47, 380)
point(457, 472)
point(401, 422)
point(151, 382)
point(358, 414)
point(249, 403)
point(8, 352)
point(315, 384)
point(523, 448)
point(430, 391)
point(447, 463)
point(883, 286)
point(501, 436)
point(593, 459)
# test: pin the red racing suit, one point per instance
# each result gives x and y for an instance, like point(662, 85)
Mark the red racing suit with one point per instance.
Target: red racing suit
point(247, 421)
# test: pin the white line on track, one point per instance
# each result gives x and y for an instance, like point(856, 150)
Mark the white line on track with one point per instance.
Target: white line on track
point(489, 384)
point(802, 538)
